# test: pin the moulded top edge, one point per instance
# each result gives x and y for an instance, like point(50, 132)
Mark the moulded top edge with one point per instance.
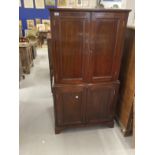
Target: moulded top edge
point(90, 9)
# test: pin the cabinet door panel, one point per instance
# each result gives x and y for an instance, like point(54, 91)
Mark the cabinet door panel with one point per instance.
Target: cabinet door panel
point(106, 44)
point(71, 47)
point(104, 47)
point(100, 103)
point(69, 105)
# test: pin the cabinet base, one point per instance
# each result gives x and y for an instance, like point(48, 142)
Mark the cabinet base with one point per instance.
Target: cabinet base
point(58, 130)
point(110, 124)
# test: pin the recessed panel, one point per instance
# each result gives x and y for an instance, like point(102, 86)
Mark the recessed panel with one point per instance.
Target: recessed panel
point(72, 107)
point(71, 42)
point(104, 47)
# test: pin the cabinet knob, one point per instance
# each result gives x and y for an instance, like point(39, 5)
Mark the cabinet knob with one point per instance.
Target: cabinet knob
point(76, 97)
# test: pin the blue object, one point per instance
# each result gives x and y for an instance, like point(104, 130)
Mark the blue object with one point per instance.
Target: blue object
point(32, 13)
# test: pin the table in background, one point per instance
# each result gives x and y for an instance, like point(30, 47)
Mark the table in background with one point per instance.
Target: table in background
point(34, 44)
point(25, 51)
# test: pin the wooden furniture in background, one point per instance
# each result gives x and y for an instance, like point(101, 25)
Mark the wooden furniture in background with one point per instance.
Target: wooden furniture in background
point(42, 36)
point(86, 52)
point(34, 44)
point(127, 87)
point(21, 75)
point(32, 37)
point(25, 51)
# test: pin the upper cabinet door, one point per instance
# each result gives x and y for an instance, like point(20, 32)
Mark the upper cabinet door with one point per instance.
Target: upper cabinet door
point(71, 33)
point(107, 37)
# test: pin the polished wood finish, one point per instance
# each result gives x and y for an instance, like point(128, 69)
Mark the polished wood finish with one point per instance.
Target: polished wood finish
point(107, 33)
point(100, 105)
point(71, 47)
point(86, 52)
point(127, 87)
point(84, 104)
point(70, 101)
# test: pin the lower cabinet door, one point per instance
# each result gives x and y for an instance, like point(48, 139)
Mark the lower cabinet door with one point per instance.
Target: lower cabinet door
point(100, 104)
point(69, 105)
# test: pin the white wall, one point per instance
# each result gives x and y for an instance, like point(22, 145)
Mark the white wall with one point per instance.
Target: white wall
point(130, 4)
point(124, 4)
point(108, 4)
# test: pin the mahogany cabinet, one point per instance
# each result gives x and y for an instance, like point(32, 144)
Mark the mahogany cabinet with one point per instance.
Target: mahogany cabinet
point(86, 50)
